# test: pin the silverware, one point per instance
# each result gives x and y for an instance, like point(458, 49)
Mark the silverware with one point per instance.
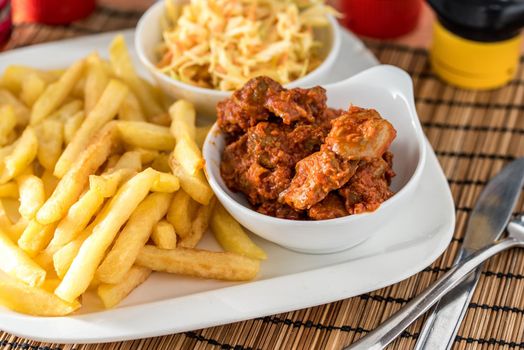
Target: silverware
point(487, 221)
point(441, 327)
point(389, 330)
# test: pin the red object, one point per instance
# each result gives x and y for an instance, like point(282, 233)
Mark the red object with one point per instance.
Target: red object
point(6, 23)
point(381, 18)
point(52, 11)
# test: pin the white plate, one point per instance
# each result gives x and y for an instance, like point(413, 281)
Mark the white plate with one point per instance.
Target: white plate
point(288, 281)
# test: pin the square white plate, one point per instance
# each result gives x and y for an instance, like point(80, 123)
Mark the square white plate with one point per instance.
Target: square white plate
point(288, 281)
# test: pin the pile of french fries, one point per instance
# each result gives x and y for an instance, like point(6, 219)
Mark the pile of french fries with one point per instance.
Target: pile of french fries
point(102, 182)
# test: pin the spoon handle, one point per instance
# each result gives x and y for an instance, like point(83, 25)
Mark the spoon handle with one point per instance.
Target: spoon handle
point(385, 333)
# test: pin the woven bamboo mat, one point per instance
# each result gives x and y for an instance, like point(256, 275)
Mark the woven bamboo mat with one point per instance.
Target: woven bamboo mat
point(474, 135)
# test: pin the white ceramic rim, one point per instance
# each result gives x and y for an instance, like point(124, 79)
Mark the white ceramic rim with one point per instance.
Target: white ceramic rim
point(405, 190)
point(326, 63)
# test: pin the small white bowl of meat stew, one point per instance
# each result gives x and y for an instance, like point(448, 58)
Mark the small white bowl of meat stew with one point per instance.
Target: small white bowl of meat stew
point(344, 188)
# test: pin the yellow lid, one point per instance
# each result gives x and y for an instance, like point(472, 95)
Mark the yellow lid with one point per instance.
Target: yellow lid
point(472, 64)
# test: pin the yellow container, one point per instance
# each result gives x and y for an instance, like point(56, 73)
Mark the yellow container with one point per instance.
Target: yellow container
point(472, 64)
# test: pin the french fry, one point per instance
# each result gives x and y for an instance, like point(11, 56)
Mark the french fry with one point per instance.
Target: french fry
point(31, 300)
point(50, 135)
point(167, 183)
point(79, 88)
point(70, 186)
point(36, 237)
point(123, 68)
point(201, 134)
point(133, 237)
point(67, 110)
point(22, 155)
point(63, 256)
point(146, 135)
point(16, 263)
point(83, 268)
point(9, 190)
point(71, 126)
point(194, 185)
point(50, 284)
point(188, 155)
point(129, 160)
point(13, 231)
point(32, 195)
point(199, 263)
point(32, 87)
point(50, 182)
point(107, 184)
point(77, 218)
point(7, 126)
point(102, 113)
point(164, 235)
point(112, 294)
point(161, 163)
point(198, 226)
point(96, 81)
point(21, 111)
point(146, 155)
point(161, 119)
point(55, 93)
point(231, 236)
point(44, 259)
point(14, 75)
point(183, 117)
point(130, 109)
point(181, 212)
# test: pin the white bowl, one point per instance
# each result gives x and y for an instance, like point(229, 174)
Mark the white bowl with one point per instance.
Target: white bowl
point(385, 88)
point(149, 33)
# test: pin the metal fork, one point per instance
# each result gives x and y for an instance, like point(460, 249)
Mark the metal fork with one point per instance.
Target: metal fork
point(380, 337)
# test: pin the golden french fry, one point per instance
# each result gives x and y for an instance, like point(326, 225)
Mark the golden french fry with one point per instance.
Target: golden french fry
point(183, 118)
point(32, 87)
point(13, 231)
point(83, 268)
point(130, 109)
point(16, 263)
point(107, 184)
point(31, 300)
point(21, 111)
point(79, 88)
point(161, 163)
point(199, 225)
point(188, 155)
point(50, 182)
point(22, 155)
point(96, 81)
point(201, 134)
point(164, 235)
point(7, 126)
point(167, 183)
point(64, 256)
point(161, 119)
point(194, 185)
point(123, 68)
point(129, 160)
point(67, 110)
point(146, 135)
point(71, 126)
point(14, 75)
point(231, 236)
point(32, 195)
point(146, 155)
point(50, 284)
point(55, 93)
point(71, 185)
point(9, 190)
point(77, 218)
point(181, 212)
point(50, 135)
point(199, 263)
point(133, 237)
point(112, 294)
point(36, 237)
point(103, 112)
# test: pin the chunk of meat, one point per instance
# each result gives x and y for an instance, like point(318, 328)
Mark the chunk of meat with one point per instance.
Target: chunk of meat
point(368, 188)
point(234, 165)
point(316, 175)
point(360, 134)
point(280, 210)
point(297, 104)
point(330, 207)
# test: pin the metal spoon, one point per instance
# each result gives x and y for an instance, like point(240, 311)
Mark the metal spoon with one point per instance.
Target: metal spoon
point(380, 337)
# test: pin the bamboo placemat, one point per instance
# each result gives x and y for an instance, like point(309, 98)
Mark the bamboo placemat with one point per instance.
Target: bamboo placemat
point(474, 134)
